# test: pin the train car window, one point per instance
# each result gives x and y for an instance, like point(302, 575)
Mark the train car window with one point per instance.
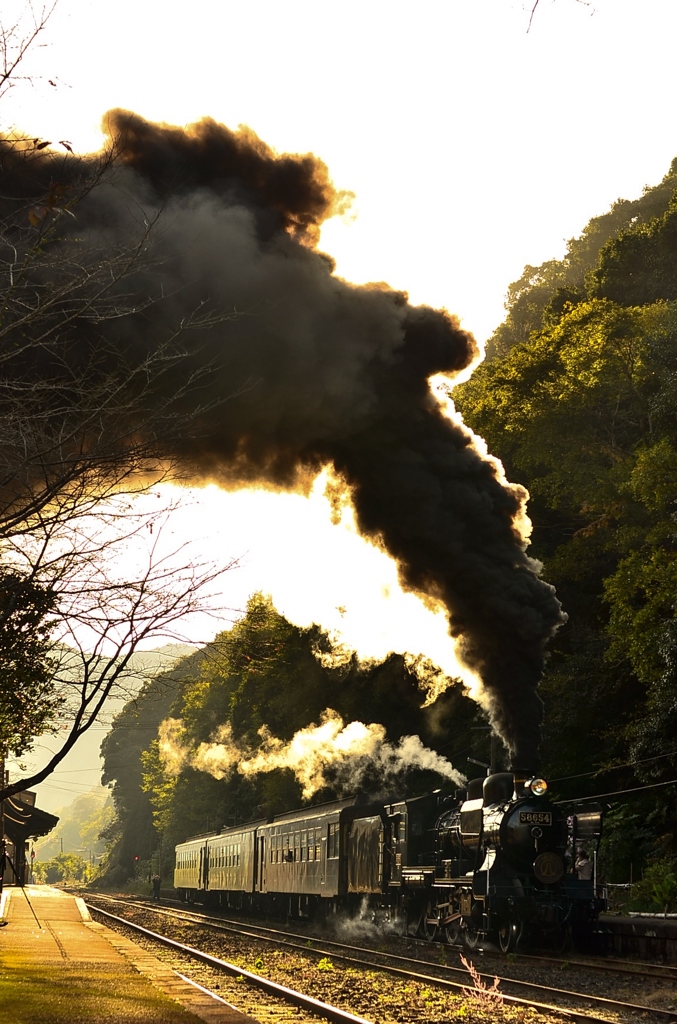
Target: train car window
point(333, 840)
point(237, 853)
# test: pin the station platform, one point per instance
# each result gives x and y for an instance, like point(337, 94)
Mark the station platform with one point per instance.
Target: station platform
point(58, 966)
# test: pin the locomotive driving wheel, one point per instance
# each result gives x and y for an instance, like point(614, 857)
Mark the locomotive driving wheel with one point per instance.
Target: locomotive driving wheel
point(453, 932)
point(563, 938)
point(430, 922)
point(509, 935)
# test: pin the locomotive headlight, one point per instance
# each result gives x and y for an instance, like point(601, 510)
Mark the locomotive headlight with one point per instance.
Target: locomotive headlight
point(538, 787)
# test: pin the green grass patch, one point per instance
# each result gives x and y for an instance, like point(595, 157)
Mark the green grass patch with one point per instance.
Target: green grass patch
point(63, 993)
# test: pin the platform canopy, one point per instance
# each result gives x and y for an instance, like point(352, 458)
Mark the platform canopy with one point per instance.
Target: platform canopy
point(23, 820)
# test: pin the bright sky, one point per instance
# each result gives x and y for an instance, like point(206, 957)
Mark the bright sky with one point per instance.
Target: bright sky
point(473, 148)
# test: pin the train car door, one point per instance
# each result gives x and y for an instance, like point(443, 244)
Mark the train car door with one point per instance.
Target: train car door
point(261, 864)
point(323, 862)
point(203, 875)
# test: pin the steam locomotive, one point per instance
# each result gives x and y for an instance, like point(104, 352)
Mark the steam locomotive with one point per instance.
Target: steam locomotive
point(493, 863)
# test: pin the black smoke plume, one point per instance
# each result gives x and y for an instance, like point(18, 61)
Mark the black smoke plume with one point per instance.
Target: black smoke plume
point(314, 371)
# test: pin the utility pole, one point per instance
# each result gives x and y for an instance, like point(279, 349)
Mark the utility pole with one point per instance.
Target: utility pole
point(493, 755)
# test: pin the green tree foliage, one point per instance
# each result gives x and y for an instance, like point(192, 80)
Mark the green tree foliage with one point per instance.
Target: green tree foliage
point(65, 867)
point(657, 891)
point(28, 695)
point(131, 833)
point(267, 672)
point(262, 672)
point(581, 406)
point(638, 266)
point(529, 300)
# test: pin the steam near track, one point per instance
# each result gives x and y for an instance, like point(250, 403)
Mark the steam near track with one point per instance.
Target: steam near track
point(316, 372)
point(349, 757)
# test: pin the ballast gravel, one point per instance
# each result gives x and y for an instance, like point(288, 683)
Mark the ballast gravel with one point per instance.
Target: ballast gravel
point(377, 996)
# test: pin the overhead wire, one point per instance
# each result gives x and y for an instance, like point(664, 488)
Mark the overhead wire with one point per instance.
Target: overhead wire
point(618, 792)
point(613, 767)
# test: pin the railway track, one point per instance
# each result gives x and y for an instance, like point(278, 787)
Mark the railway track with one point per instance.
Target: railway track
point(314, 1006)
point(664, 974)
point(629, 968)
point(456, 979)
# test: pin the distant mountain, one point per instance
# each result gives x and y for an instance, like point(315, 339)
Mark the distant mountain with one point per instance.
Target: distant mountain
point(80, 771)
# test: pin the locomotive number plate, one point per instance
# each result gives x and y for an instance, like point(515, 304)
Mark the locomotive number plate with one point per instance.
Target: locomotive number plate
point(535, 817)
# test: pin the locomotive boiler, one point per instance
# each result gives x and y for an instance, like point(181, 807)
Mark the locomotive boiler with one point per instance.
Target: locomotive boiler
point(494, 863)
point(503, 862)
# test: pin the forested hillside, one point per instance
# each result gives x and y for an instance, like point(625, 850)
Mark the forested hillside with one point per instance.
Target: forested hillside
point(578, 397)
point(264, 672)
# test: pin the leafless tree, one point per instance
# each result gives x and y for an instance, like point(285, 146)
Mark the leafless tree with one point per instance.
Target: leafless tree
point(535, 3)
point(86, 424)
point(19, 35)
point(118, 586)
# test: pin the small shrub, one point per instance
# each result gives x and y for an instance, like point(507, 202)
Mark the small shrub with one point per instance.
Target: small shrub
point(325, 964)
point(484, 997)
point(658, 888)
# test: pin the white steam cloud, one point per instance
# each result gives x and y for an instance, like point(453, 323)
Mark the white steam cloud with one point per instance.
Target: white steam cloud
point(345, 755)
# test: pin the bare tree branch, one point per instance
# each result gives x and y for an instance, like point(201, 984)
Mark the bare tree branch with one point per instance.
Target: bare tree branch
point(104, 611)
point(86, 421)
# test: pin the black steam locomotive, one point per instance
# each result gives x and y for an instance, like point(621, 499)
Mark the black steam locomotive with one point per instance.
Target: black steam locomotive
point(490, 864)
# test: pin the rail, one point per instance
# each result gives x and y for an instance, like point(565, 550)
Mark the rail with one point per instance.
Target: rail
point(375, 961)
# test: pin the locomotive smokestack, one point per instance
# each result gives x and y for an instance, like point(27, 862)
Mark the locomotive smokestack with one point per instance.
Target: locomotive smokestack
point(321, 372)
point(520, 776)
